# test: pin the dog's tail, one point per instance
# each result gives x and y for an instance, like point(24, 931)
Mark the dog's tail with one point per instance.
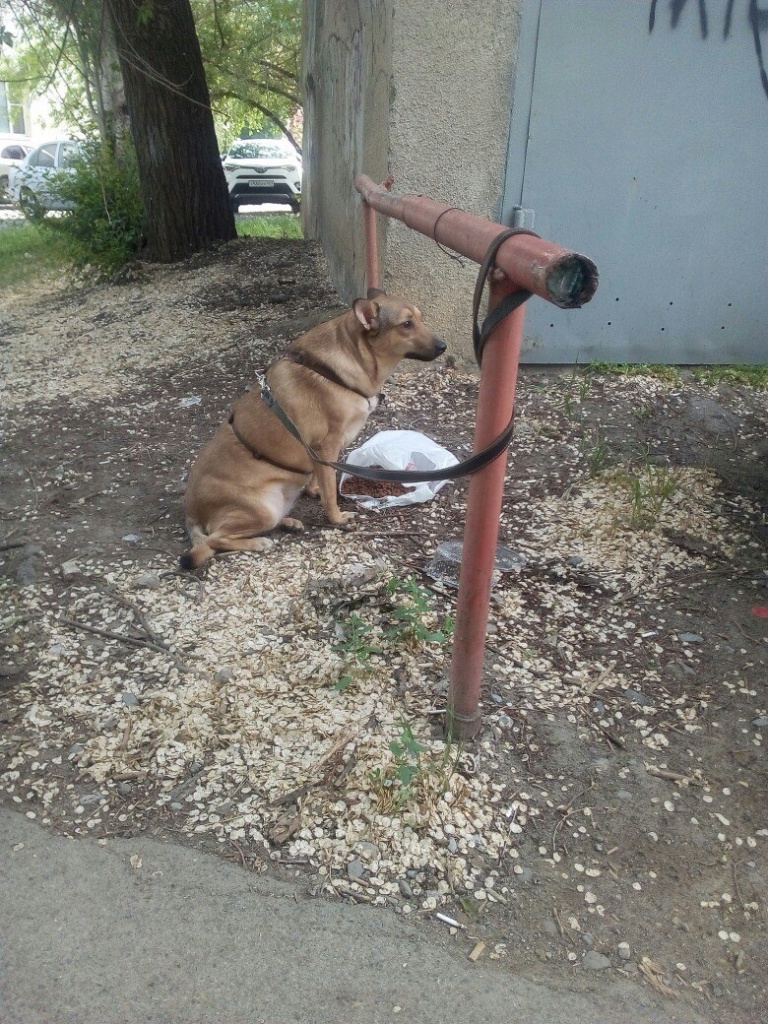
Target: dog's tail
point(200, 552)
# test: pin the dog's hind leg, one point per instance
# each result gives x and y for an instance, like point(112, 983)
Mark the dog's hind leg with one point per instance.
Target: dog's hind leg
point(312, 489)
point(235, 533)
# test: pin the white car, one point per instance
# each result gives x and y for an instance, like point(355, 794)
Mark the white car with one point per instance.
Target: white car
point(262, 171)
point(32, 186)
point(12, 154)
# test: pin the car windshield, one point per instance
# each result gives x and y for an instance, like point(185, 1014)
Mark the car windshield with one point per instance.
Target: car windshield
point(260, 150)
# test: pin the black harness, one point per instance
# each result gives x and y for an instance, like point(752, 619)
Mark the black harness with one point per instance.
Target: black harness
point(260, 455)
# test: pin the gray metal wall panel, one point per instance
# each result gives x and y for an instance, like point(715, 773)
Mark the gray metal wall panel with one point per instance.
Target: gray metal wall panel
point(647, 151)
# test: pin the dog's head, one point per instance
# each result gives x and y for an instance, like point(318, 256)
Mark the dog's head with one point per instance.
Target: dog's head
point(395, 326)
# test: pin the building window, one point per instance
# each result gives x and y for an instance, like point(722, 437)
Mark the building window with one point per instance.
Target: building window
point(11, 110)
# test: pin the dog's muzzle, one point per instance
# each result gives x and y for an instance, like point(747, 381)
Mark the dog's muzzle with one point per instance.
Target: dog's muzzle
point(438, 349)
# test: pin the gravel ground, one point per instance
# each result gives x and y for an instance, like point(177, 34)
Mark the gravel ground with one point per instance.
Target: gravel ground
point(285, 710)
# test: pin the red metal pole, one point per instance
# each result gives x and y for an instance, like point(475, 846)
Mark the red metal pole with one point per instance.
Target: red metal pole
point(559, 275)
point(496, 400)
point(371, 247)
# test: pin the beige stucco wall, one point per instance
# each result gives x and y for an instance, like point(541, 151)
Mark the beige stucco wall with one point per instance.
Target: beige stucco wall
point(421, 89)
point(452, 68)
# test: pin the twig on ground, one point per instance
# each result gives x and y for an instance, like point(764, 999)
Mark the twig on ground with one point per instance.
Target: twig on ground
point(663, 773)
point(617, 741)
point(139, 616)
point(109, 634)
point(8, 545)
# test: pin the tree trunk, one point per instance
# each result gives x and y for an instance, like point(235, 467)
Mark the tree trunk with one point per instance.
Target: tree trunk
point(182, 178)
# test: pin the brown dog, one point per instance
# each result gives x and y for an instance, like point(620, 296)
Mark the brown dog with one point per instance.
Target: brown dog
point(246, 480)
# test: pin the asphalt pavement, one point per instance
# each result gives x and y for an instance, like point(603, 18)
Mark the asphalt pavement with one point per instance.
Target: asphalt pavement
point(134, 930)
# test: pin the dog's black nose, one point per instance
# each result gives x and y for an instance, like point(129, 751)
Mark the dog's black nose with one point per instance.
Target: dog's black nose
point(440, 347)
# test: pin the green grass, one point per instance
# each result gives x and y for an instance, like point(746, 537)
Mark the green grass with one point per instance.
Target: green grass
point(269, 225)
point(649, 488)
point(752, 376)
point(659, 370)
point(29, 251)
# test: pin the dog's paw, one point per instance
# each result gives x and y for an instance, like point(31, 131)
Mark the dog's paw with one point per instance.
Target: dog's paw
point(312, 491)
point(292, 525)
point(344, 522)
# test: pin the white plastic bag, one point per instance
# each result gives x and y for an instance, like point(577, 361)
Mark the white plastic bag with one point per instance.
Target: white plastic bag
point(398, 449)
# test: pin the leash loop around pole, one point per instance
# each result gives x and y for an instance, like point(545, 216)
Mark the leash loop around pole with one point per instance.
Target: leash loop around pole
point(508, 305)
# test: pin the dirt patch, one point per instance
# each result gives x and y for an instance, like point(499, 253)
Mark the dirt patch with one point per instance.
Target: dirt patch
point(285, 711)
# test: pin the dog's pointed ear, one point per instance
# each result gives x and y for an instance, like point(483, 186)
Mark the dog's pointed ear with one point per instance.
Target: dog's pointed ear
point(374, 293)
point(367, 312)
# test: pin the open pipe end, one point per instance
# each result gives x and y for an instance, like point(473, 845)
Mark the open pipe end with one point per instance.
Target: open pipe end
point(572, 281)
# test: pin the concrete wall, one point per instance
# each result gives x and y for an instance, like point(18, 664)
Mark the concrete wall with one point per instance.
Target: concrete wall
point(452, 68)
point(421, 89)
point(347, 71)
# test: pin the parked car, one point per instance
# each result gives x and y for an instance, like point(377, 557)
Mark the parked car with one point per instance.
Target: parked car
point(11, 155)
point(32, 185)
point(262, 171)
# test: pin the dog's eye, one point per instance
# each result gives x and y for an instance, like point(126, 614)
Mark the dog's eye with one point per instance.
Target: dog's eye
point(407, 324)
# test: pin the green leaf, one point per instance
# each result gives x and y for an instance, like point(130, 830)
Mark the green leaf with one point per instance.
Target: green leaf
point(145, 12)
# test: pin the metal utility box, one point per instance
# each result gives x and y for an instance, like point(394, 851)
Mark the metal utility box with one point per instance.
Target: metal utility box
point(639, 134)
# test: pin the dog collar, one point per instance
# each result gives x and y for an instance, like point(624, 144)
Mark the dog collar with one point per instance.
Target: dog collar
point(303, 359)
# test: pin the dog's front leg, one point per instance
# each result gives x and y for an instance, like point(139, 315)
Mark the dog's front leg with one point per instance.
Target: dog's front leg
point(326, 481)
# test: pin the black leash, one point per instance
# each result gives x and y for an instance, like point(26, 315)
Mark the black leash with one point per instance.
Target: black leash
point(479, 336)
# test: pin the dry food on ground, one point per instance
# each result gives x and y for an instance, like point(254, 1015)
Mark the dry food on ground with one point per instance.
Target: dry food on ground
point(373, 488)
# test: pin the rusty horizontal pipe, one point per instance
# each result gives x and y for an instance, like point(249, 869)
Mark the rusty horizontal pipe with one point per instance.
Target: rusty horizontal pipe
point(560, 276)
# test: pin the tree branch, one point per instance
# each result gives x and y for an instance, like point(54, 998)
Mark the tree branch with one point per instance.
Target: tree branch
point(269, 114)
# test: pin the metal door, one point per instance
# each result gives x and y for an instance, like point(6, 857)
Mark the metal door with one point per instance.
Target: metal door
point(639, 136)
